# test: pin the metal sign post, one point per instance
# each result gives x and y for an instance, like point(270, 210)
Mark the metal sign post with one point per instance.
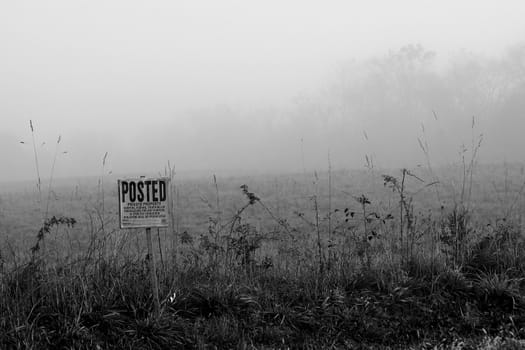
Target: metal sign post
point(143, 203)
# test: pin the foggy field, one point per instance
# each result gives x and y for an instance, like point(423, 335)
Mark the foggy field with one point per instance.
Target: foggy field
point(291, 260)
point(495, 193)
point(305, 174)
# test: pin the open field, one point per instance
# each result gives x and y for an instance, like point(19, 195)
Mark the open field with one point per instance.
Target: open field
point(305, 175)
point(335, 259)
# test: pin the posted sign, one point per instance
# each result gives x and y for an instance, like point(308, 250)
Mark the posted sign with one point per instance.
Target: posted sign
point(143, 202)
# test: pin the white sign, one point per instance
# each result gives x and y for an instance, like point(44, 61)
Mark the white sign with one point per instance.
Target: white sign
point(143, 202)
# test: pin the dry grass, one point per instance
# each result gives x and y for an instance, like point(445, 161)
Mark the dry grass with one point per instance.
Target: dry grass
point(238, 273)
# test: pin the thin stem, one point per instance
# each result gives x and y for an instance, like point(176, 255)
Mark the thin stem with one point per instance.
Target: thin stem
point(39, 183)
point(329, 209)
point(318, 229)
point(51, 177)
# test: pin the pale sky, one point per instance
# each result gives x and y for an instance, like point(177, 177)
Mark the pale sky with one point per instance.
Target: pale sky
point(118, 76)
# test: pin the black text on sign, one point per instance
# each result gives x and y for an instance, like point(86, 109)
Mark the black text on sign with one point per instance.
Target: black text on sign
point(143, 202)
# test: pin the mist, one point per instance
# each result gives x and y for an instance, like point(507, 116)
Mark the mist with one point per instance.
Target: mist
point(257, 88)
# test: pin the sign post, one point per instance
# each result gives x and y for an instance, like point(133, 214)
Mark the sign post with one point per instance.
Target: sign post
point(143, 203)
point(153, 274)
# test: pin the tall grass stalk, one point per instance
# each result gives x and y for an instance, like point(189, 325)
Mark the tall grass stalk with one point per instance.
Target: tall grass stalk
point(317, 224)
point(217, 210)
point(318, 231)
point(39, 181)
point(173, 206)
point(468, 168)
point(102, 200)
point(51, 176)
point(423, 144)
point(520, 199)
point(330, 233)
point(41, 238)
point(101, 184)
point(474, 151)
point(401, 205)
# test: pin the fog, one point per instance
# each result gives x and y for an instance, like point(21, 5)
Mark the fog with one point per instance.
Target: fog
point(241, 86)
